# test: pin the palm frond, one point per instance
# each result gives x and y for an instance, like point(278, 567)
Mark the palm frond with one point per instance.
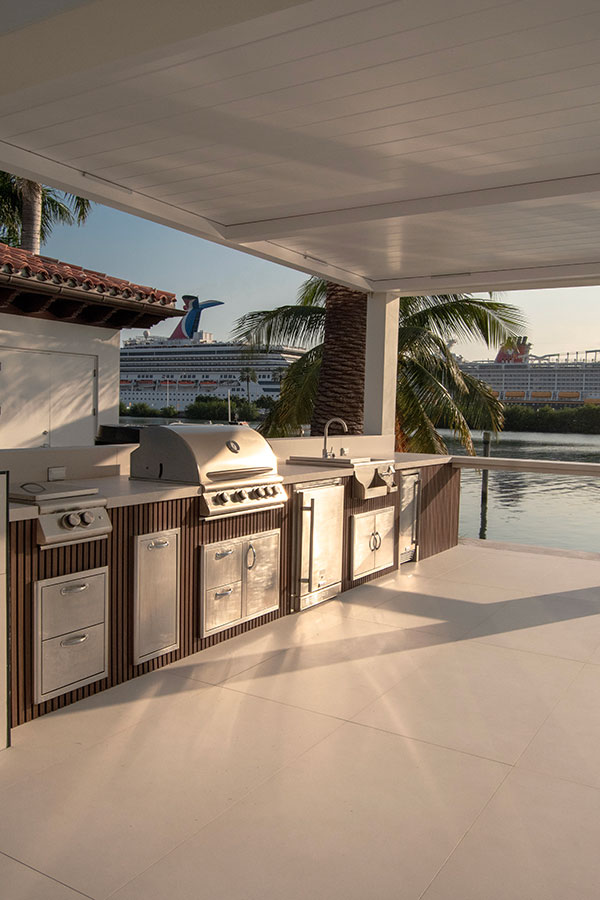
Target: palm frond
point(459, 316)
point(425, 402)
point(480, 406)
point(292, 325)
point(297, 397)
point(312, 292)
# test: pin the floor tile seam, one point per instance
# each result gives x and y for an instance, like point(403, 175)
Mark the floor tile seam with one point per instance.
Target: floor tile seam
point(241, 671)
point(416, 740)
point(422, 895)
point(75, 752)
point(45, 875)
point(490, 643)
point(525, 767)
point(228, 809)
point(463, 637)
point(295, 706)
point(530, 549)
point(559, 700)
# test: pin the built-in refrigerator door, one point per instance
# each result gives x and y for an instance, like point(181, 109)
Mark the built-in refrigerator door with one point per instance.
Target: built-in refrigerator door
point(4, 710)
point(409, 514)
point(321, 537)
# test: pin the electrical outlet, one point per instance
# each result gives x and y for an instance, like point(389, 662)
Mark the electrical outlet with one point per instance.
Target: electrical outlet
point(57, 473)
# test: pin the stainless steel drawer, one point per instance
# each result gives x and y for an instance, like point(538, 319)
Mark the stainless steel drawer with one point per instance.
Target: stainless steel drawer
point(223, 563)
point(72, 659)
point(222, 605)
point(74, 602)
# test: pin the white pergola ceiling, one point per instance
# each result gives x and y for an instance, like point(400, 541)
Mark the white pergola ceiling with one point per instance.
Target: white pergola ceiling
point(417, 146)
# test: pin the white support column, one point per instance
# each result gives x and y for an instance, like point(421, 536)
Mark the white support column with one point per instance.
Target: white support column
point(381, 363)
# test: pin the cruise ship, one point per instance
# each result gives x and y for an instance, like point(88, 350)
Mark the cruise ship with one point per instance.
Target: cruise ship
point(173, 371)
point(558, 379)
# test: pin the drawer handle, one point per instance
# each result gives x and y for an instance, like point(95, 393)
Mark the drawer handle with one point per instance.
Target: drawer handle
point(75, 588)
point(222, 553)
point(73, 641)
point(158, 545)
point(224, 593)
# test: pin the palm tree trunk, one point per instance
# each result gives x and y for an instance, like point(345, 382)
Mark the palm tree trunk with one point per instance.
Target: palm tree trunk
point(342, 376)
point(31, 216)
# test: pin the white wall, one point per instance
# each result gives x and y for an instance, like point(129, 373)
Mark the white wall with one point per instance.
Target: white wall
point(19, 332)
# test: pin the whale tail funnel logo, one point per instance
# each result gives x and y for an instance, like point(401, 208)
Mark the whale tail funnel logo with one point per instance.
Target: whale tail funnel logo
point(188, 325)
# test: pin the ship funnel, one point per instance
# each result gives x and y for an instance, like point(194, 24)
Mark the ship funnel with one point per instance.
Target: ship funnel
point(188, 325)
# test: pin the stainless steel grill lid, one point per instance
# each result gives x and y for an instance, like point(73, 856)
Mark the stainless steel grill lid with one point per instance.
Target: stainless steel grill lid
point(205, 455)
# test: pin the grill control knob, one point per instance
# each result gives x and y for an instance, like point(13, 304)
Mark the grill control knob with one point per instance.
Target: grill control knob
point(87, 517)
point(223, 497)
point(261, 492)
point(240, 495)
point(71, 520)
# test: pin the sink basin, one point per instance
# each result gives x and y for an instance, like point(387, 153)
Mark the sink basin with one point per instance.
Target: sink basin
point(338, 461)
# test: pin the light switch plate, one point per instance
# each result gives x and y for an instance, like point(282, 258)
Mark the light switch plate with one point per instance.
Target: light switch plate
point(57, 473)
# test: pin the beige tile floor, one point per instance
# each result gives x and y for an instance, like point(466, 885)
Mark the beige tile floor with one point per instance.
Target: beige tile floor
point(434, 734)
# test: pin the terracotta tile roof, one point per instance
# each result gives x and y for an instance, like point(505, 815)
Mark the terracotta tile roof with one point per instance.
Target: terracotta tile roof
point(14, 261)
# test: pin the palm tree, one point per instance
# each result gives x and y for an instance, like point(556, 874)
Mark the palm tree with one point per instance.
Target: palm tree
point(431, 389)
point(248, 374)
point(28, 211)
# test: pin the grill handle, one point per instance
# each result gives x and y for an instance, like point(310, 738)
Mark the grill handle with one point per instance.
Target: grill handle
point(74, 588)
point(73, 641)
point(221, 554)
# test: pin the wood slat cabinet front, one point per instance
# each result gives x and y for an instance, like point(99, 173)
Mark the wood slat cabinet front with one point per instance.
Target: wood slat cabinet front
point(240, 580)
point(70, 632)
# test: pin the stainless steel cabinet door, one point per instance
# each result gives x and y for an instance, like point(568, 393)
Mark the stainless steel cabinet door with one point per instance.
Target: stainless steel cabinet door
point(156, 598)
point(322, 529)
point(409, 506)
point(261, 563)
point(363, 544)
point(222, 606)
point(72, 659)
point(223, 563)
point(384, 538)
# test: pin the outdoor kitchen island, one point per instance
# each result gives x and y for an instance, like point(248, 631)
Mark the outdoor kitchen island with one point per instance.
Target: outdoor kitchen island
point(144, 513)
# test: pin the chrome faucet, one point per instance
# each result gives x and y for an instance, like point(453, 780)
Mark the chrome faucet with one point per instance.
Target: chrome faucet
point(329, 454)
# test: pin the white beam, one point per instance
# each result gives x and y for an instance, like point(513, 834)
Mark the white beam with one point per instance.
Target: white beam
point(571, 275)
point(381, 363)
point(266, 229)
point(32, 165)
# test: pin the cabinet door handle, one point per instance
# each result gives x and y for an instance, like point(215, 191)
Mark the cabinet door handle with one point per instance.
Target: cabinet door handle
point(220, 554)
point(158, 545)
point(224, 593)
point(372, 546)
point(71, 642)
point(248, 565)
point(74, 588)
point(378, 540)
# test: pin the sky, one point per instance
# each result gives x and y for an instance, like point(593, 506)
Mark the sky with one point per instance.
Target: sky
point(559, 321)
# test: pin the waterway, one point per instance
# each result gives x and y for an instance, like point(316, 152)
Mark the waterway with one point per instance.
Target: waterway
point(560, 511)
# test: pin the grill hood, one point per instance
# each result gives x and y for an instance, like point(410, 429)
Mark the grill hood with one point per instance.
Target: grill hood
point(206, 455)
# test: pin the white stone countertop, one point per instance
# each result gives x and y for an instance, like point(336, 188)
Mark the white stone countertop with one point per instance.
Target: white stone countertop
point(120, 490)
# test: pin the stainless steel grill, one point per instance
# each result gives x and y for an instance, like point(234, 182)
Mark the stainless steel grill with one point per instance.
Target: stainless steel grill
point(233, 466)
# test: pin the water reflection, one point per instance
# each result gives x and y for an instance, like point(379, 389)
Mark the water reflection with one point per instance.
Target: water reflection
point(532, 508)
